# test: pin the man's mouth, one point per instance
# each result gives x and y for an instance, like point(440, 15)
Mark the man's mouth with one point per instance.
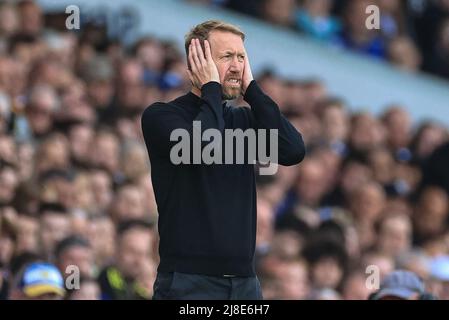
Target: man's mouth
point(233, 82)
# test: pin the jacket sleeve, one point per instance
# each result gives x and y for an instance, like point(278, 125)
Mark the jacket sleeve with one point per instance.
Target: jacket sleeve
point(159, 121)
point(265, 114)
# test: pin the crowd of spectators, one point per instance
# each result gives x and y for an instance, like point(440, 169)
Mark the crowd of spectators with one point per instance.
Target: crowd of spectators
point(413, 34)
point(75, 186)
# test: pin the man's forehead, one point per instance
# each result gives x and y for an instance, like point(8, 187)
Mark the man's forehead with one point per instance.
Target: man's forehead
point(224, 41)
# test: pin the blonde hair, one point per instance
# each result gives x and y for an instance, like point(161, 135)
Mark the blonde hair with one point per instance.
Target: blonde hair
point(202, 30)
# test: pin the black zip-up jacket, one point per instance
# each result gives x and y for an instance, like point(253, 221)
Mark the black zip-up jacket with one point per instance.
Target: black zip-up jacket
point(207, 213)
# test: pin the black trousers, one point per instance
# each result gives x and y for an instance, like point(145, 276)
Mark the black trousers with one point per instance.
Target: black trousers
point(183, 286)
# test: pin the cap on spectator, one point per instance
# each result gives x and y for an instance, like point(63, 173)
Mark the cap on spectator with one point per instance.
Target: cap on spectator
point(439, 268)
point(400, 283)
point(42, 278)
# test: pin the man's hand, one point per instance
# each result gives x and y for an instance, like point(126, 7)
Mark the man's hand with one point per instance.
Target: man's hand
point(203, 68)
point(247, 75)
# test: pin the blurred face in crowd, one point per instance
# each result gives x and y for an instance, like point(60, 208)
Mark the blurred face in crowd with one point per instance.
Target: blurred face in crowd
point(366, 132)
point(310, 127)
point(293, 280)
point(54, 227)
point(25, 152)
point(326, 273)
point(130, 87)
point(79, 221)
point(79, 256)
point(279, 11)
point(129, 203)
point(7, 248)
point(134, 249)
point(335, 123)
point(355, 287)
point(101, 235)
point(287, 244)
point(101, 188)
point(395, 235)
point(312, 183)
point(83, 197)
point(382, 163)
point(100, 92)
point(89, 290)
point(384, 263)
point(134, 162)
point(8, 184)
point(293, 98)
point(59, 189)
point(273, 87)
point(131, 72)
point(430, 137)
point(53, 153)
point(431, 211)
point(398, 124)
point(27, 234)
point(8, 150)
point(315, 92)
point(354, 174)
point(9, 19)
point(40, 110)
point(355, 17)
point(105, 151)
point(81, 137)
point(368, 202)
point(31, 18)
point(332, 162)
point(151, 54)
point(403, 53)
point(273, 192)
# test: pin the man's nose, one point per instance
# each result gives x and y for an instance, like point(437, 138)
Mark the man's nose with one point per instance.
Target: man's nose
point(235, 65)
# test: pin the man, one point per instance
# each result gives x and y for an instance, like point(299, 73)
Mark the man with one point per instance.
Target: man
point(207, 212)
point(122, 280)
point(38, 281)
point(402, 285)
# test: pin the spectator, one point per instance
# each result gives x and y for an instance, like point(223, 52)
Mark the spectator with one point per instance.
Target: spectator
point(88, 290)
point(356, 36)
point(54, 226)
point(354, 286)
point(75, 251)
point(279, 12)
point(134, 248)
point(400, 285)
point(314, 18)
point(402, 52)
point(38, 281)
point(394, 234)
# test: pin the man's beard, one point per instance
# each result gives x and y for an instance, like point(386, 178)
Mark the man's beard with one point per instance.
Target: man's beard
point(230, 95)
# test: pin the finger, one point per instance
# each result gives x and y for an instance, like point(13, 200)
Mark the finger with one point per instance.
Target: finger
point(207, 49)
point(195, 55)
point(191, 60)
point(200, 52)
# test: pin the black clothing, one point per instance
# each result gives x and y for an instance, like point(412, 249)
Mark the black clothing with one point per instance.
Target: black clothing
point(183, 286)
point(207, 213)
